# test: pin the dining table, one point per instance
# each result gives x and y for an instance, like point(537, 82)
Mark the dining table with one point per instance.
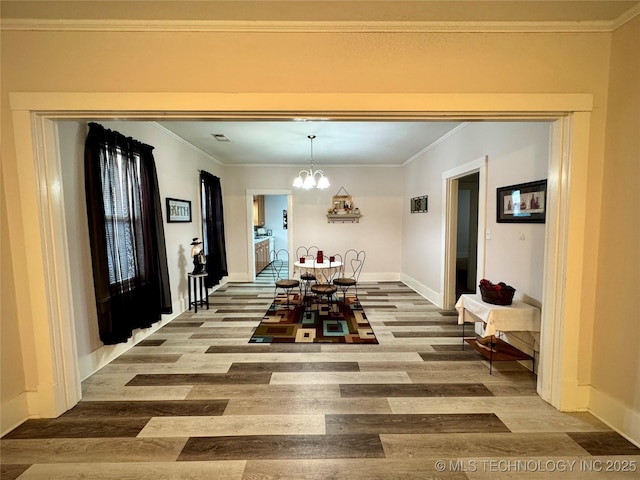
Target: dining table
point(313, 266)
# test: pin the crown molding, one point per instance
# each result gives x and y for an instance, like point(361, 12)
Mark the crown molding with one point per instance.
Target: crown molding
point(626, 17)
point(437, 142)
point(313, 26)
point(181, 140)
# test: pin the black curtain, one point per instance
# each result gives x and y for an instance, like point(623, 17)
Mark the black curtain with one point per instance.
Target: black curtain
point(126, 233)
point(213, 229)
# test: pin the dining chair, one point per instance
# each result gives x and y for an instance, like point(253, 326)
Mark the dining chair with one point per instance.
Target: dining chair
point(306, 276)
point(350, 273)
point(280, 269)
point(325, 273)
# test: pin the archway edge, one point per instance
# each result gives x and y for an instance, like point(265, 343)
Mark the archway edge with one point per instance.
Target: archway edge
point(285, 104)
point(44, 238)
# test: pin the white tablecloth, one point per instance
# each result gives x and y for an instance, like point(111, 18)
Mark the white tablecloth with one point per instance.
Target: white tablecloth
point(517, 317)
point(311, 266)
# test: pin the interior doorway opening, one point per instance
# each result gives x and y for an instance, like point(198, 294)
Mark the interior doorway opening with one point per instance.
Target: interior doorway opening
point(268, 229)
point(570, 142)
point(467, 234)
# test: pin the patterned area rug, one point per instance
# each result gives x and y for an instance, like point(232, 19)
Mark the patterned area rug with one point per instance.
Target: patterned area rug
point(312, 322)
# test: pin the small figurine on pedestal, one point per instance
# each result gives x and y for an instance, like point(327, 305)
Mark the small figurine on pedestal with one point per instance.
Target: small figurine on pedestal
point(199, 259)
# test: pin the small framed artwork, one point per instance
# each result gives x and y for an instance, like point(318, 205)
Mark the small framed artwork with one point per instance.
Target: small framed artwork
point(420, 204)
point(178, 211)
point(522, 203)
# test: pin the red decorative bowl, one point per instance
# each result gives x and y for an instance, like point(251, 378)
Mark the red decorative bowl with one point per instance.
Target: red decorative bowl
point(496, 294)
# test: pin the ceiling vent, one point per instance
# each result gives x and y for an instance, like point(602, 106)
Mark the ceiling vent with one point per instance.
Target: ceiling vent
point(220, 137)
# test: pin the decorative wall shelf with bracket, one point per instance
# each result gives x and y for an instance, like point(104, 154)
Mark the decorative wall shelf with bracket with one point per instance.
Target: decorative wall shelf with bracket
point(343, 209)
point(343, 217)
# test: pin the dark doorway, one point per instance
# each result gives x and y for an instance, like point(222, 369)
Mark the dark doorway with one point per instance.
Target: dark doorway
point(467, 234)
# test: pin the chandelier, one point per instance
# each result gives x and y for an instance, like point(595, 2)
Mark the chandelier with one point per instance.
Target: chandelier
point(307, 178)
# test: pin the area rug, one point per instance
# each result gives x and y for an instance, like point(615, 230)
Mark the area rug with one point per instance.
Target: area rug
point(313, 321)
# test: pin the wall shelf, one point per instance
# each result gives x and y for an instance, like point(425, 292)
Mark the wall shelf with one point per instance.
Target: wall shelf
point(345, 217)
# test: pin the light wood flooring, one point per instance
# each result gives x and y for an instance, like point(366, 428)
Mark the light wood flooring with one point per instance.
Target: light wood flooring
point(197, 401)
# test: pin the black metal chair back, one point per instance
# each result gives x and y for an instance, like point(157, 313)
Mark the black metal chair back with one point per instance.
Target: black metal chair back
point(280, 267)
point(326, 271)
point(353, 264)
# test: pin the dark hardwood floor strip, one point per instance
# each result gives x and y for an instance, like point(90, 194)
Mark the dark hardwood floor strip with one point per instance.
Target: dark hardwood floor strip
point(180, 324)
point(426, 322)
point(415, 390)
point(239, 334)
point(12, 472)
point(444, 347)
point(414, 423)
point(275, 447)
point(241, 319)
point(448, 356)
point(136, 359)
point(242, 310)
point(294, 367)
point(442, 334)
point(150, 343)
point(448, 313)
point(162, 379)
point(272, 348)
point(151, 408)
point(374, 306)
point(64, 427)
point(604, 443)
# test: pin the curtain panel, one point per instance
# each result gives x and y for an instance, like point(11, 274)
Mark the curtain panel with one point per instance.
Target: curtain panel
point(213, 229)
point(126, 234)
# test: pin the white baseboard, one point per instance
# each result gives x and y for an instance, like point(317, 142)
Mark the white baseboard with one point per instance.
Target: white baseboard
point(14, 412)
point(379, 277)
point(431, 295)
point(616, 415)
point(90, 364)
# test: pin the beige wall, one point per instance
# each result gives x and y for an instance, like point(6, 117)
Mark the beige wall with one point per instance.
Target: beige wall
point(616, 354)
point(293, 62)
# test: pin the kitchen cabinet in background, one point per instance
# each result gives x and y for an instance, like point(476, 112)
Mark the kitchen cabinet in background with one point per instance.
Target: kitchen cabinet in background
point(258, 210)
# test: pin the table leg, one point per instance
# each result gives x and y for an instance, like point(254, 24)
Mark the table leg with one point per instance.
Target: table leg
point(189, 290)
point(491, 355)
point(195, 295)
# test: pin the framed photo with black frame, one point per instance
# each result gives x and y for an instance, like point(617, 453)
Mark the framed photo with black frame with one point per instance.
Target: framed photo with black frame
point(522, 203)
point(178, 211)
point(420, 204)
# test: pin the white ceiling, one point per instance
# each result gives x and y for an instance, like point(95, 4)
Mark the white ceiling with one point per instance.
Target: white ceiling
point(379, 143)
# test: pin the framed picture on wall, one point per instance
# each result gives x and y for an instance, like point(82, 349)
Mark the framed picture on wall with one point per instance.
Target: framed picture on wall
point(522, 203)
point(420, 204)
point(178, 211)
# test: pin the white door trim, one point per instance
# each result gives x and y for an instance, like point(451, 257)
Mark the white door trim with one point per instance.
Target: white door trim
point(450, 219)
point(251, 253)
point(42, 298)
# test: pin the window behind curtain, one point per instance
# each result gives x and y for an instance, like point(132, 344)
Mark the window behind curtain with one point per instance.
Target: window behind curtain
point(126, 231)
point(122, 217)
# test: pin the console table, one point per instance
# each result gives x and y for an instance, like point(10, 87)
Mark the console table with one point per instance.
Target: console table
point(517, 317)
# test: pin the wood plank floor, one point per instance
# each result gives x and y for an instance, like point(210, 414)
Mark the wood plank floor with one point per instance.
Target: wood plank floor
point(196, 401)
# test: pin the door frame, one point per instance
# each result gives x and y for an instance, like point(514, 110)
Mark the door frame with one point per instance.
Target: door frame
point(450, 224)
point(44, 299)
point(251, 253)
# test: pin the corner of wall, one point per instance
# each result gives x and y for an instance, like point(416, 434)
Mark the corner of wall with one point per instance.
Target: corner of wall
point(619, 417)
point(431, 295)
point(14, 412)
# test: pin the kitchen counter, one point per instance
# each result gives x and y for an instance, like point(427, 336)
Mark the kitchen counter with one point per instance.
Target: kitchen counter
point(260, 239)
